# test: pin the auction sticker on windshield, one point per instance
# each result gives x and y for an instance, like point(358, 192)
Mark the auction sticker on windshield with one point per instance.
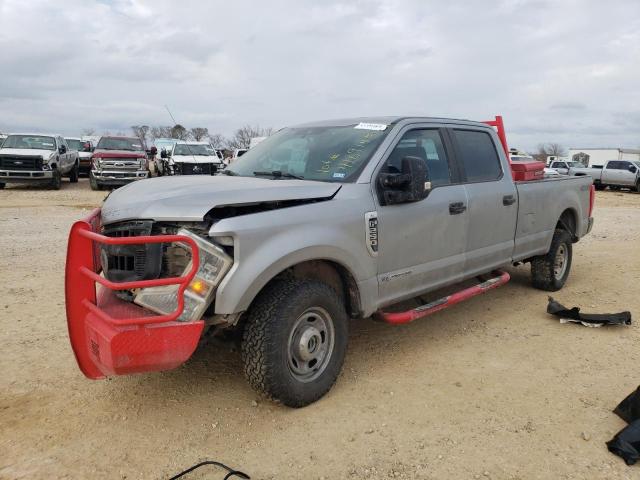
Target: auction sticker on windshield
point(371, 126)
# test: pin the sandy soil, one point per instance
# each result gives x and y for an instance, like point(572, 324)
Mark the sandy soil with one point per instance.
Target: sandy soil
point(494, 388)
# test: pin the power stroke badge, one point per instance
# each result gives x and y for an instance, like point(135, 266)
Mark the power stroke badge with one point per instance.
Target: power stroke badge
point(371, 226)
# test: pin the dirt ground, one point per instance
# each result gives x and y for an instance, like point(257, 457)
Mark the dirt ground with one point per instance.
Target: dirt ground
point(494, 388)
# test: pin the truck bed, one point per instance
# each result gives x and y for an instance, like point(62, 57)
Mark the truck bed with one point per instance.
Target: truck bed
point(541, 203)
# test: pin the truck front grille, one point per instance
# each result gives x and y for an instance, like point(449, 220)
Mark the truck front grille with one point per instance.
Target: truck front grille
point(121, 164)
point(125, 263)
point(16, 162)
point(196, 168)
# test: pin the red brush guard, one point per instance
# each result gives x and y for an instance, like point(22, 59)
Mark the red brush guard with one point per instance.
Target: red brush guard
point(110, 336)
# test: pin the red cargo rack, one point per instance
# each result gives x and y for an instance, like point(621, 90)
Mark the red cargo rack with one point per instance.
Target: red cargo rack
point(110, 336)
point(520, 171)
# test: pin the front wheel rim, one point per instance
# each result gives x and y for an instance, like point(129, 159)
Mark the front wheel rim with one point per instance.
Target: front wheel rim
point(561, 261)
point(311, 343)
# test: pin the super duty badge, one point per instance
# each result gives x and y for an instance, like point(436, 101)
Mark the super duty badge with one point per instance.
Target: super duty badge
point(371, 226)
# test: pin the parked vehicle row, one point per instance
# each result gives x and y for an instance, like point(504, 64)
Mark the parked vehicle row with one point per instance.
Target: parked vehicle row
point(112, 162)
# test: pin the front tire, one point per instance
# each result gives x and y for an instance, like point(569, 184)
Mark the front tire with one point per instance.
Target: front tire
point(56, 182)
point(550, 272)
point(295, 340)
point(74, 174)
point(2, 185)
point(599, 186)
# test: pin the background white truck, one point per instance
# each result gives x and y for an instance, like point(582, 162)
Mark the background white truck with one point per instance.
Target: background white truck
point(189, 158)
point(29, 158)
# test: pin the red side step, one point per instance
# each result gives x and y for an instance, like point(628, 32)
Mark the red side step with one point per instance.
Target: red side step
point(398, 318)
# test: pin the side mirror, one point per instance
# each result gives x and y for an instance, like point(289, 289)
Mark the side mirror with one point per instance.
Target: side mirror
point(411, 185)
point(62, 149)
point(163, 154)
point(632, 169)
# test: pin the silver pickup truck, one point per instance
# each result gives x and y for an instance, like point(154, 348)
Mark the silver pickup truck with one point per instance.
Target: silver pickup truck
point(37, 158)
point(317, 224)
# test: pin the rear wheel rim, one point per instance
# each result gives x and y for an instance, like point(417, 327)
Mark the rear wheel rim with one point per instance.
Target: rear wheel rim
point(560, 261)
point(311, 343)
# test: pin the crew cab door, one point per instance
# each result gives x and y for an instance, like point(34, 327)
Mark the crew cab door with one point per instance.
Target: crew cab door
point(492, 197)
point(421, 244)
point(616, 172)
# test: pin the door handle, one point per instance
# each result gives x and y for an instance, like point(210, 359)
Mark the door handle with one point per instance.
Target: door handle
point(456, 208)
point(508, 200)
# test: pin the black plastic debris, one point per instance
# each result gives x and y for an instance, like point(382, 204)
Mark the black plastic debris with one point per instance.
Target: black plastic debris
point(231, 471)
point(587, 319)
point(626, 443)
point(629, 408)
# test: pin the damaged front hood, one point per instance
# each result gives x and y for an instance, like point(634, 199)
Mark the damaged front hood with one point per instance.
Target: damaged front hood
point(190, 197)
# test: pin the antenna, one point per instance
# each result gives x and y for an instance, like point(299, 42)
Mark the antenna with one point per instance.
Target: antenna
point(176, 123)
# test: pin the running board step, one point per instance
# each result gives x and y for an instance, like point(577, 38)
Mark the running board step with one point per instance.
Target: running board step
point(399, 318)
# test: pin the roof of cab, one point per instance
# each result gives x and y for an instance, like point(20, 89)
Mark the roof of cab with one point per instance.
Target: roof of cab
point(388, 120)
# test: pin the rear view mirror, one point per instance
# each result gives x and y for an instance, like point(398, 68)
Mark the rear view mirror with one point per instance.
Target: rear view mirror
point(411, 185)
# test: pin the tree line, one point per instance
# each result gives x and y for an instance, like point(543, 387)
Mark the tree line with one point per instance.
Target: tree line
point(147, 134)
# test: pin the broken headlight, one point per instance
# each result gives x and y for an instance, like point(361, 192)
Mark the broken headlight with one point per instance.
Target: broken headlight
point(214, 264)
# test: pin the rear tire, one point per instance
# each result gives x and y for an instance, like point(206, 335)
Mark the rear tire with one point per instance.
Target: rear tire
point(295, 340)
point(56, 182)
point(550, 272)
point(74, 174)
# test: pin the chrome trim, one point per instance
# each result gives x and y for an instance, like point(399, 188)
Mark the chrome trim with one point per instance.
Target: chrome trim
point(27, 175)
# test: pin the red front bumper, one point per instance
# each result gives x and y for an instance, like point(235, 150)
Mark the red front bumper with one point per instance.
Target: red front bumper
point(110, 336)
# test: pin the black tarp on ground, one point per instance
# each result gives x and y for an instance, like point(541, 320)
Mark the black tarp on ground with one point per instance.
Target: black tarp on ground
point(626, 443)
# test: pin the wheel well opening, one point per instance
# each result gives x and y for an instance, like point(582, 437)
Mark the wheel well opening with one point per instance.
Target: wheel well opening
point(568, 223)
point(333, 274)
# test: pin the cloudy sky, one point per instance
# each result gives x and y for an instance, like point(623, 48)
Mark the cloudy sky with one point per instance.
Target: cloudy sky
point(558, 71)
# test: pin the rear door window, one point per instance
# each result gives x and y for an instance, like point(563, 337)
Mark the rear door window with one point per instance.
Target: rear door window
point(477, 155)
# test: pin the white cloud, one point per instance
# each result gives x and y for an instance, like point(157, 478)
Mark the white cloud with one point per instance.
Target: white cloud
point(558, 71)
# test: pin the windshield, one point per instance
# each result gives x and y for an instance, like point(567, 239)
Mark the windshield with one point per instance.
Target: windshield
point(74, 144)
point(575, 164)
point(110, 143)
point(35, 142)
point(330, 154)
point(191, 149)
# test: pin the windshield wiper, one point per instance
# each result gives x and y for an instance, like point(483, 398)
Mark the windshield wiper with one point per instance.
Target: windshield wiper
point(278, 174)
